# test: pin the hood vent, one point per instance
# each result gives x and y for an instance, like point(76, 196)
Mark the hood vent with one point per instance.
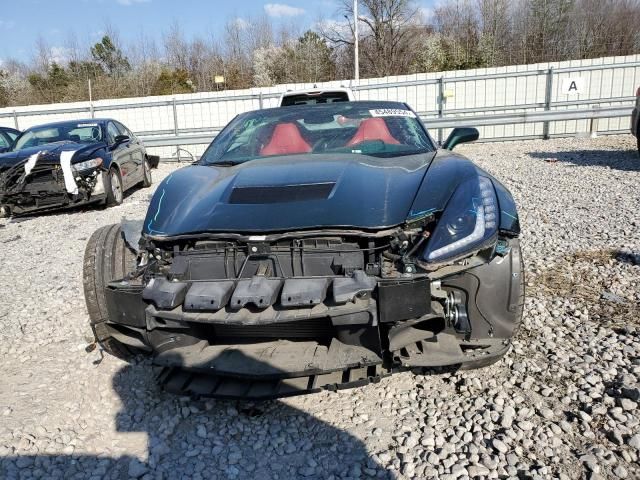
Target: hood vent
point(281, 193)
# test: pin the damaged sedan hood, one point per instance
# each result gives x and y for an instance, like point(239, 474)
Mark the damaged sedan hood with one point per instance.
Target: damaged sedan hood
point(278, 194)
point(50, 152)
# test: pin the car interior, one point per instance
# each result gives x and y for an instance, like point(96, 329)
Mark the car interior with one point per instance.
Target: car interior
point(368, 135)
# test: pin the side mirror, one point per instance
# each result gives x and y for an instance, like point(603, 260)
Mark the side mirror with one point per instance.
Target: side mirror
point(4, 149)
point(121, 139)
point(461, 135)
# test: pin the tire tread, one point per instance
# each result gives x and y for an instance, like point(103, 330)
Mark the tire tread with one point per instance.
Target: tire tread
point(106, 258)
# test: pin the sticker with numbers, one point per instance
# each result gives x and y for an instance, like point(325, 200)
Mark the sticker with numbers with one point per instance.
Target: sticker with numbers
point(391, 112)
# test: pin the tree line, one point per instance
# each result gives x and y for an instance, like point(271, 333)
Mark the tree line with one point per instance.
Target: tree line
point(395, 37)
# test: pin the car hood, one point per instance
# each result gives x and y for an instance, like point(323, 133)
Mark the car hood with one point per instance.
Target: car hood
point(51, 152)
point(282, 193)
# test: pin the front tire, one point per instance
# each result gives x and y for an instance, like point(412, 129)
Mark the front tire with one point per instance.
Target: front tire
point(147, 180)
point(115, 190)
point(107, 257)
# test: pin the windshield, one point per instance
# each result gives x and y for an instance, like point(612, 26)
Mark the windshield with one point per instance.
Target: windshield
point(368, 128)
point(79, 132)
point(313, 98)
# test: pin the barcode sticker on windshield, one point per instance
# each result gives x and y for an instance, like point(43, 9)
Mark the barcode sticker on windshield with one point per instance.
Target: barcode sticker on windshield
point(80, 125)
point(391, 112)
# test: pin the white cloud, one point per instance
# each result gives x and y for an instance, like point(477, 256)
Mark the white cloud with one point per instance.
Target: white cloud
point(128, 3)
point(60, 55)
point(426, 13)
point(240, 23)
point(7, 23)
point(282, 10)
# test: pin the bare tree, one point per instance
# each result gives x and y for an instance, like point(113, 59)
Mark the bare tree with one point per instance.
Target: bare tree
point(389, 37)
point(394, 39)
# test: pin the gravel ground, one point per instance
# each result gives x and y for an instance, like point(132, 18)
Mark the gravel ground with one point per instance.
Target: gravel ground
point(563, 403)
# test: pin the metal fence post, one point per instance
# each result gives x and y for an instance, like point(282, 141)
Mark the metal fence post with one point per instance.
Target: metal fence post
point(15, 120)
point(440, 106)
point(175, 125)
point(260, 100)
point(547, 101)
point(90, 100)
point(593, 125)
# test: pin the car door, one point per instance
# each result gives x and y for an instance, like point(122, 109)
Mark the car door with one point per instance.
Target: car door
point(120, 154)
point(136, 152)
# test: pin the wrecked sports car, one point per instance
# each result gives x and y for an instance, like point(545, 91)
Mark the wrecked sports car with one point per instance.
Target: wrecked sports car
point(71, 163)
point(314, 246)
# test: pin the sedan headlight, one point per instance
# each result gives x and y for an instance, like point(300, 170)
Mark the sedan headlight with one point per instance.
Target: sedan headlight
point(86, 165)
point(469, 219)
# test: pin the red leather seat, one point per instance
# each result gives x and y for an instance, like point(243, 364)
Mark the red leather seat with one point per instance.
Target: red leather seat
point(286, 140)
point(373, 129)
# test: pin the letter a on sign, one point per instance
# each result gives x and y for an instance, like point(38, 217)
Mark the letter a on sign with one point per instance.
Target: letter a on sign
point(573, 86)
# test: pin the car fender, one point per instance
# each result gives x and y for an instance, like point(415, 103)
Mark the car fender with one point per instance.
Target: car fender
point(447, 171)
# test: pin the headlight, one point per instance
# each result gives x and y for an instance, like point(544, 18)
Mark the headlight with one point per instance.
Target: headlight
point(86, 165)
point(469, 219)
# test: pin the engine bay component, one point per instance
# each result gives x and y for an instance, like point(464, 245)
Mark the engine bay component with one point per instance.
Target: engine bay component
point(304, 292)
point(208, 295)
point(259, 291)
point(164, 293)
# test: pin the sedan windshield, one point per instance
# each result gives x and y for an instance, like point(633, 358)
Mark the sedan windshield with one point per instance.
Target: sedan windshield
point(381, 129)
point(79, 132)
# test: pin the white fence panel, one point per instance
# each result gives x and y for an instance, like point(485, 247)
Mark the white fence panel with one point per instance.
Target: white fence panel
point(479, 93)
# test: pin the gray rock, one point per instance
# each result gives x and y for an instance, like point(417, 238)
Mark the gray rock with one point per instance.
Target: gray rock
point(620, 472)
point(499, 445)
point(634, 441)
point(627, 404)
point(384, 457)
point(136, 468)
point(546, 413)
point(591, 463)
point(478, 471)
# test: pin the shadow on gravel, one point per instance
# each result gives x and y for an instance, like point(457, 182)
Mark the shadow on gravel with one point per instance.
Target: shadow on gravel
point(625, 160)
point(212, 439)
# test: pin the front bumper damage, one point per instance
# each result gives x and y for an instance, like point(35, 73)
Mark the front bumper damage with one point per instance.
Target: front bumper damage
point(254, 319)
point(45, 188)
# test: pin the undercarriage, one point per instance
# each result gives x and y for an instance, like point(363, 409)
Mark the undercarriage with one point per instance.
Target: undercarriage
point(273, 315)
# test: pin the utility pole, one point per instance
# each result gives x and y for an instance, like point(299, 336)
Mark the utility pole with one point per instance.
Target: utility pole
point(356, 61)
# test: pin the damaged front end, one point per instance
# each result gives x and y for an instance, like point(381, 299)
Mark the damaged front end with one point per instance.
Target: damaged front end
point(263, 316)
point(44, 182)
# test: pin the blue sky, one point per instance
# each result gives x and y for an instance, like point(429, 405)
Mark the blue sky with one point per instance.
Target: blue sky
point(22, 21)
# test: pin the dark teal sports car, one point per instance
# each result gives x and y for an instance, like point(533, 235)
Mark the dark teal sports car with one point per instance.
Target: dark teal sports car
point(313, 246)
